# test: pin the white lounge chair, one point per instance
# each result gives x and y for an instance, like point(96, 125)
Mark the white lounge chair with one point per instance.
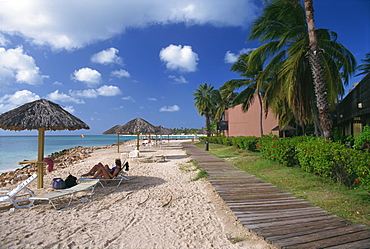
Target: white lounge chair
point(71, 192)
point(20, 194)
point(120, 177)
point(133, 154)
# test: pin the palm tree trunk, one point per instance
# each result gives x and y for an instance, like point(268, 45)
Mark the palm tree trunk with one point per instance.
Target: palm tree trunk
point(208, 125)
point(261, 113)
point(314, 56)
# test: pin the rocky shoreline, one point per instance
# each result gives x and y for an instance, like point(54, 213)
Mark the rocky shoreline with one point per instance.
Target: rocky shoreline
point(62, 159)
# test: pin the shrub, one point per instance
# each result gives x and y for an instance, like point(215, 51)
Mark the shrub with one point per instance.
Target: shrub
point(335, 161)
point(362, 140)
point(282, 150)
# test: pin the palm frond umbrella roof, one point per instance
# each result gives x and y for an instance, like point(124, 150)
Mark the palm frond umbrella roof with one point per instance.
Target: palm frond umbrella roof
point(163, 131)
point(138, 125)
point(114, 130)
point(202, 132)
point(40, 114)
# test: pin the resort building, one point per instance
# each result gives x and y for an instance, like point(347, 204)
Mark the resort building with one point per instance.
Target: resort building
point(353, 112)
point(241, 123)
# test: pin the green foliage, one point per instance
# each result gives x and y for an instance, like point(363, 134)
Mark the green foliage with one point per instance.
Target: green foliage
point(248, 143)
point(325, 158)
point(362, 140)
point(282, 150)
point(335, 161)
point(343, 139)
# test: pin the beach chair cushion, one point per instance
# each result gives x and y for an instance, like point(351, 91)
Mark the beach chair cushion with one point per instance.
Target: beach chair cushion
point(20, 194)
point(71, 192)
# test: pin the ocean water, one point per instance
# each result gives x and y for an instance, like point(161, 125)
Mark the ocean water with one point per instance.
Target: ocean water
point(14, 149)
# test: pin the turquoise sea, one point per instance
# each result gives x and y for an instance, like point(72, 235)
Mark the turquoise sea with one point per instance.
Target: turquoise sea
point(14, 149)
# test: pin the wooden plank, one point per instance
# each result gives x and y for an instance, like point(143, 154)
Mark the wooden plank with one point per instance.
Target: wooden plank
point(294, 229)
point(268, 204)
point(278, 224)
point(327, 234)
point(271, 219)
point(359, 244)
point(281, 213)
point(340, 239)
point(314, 231)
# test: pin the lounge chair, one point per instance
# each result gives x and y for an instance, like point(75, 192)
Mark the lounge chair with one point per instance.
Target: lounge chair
point(133, 154)
point(20, 194)
point(120, 177)
point(54, 196)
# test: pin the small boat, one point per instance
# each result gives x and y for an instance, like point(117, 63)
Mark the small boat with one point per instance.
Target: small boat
point(82, 136)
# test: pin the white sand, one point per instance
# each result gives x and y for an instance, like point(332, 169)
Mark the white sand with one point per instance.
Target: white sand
point(158, 208)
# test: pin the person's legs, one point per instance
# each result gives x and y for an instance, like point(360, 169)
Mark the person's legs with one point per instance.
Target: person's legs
point(101, 172)
point(93, 170)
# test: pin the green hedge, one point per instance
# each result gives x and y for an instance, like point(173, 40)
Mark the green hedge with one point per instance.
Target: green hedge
point(329, 159)
point(325, 158)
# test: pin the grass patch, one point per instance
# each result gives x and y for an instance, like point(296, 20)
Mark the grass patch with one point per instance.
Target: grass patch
point(189, 167)
point(235, 240)
point(194, 166)
point(350, 204)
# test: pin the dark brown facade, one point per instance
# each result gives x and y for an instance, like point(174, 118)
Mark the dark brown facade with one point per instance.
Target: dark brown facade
point(353, 112)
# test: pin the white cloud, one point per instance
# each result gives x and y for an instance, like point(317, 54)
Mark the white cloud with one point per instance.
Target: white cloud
point(120, 73)
point(75, 24)
point(3, 40)
point(88, 93)
point(180, 80)
point(179, 58)
point(87, 75)
point(152, 99)
point(69, 109)
point(107, 56)
point(129, 98)
point(18, 67)
point(108, 91)
point(57, 83)
point(174, 108)
point(62, 97)
point(232, 58)
point(105, 91)
point(11, 101)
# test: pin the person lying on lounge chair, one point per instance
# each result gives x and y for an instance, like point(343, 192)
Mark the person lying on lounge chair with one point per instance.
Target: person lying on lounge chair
point(101, 171)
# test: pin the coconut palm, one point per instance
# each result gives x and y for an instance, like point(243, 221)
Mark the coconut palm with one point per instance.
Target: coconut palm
point(224, 99)
point(248, 84)
point(286, 51)
point(205, 102)
point(365, 68)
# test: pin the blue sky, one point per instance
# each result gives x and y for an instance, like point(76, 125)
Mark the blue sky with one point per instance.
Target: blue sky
point(111, 61)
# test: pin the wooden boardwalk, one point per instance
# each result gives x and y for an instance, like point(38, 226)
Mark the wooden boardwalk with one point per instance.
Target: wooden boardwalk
point(274, 214)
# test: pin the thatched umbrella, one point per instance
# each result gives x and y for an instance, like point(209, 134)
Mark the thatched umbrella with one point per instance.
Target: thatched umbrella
point(137, 126)
point(40, 115)
point(114, 130)
point(163, 131)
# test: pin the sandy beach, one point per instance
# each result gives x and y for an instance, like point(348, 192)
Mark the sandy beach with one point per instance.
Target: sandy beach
point(159, 207)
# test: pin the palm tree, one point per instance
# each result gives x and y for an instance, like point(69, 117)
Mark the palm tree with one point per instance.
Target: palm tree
point(286, 51)
point(317, 68)
point(249, 83)
point(205, 102)
point(224, 99)
point(366, 66)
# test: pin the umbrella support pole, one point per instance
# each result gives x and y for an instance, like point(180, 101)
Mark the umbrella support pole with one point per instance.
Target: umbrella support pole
point(118, 143)
point(40, 174)
point(40, 157)
point(138, 141)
